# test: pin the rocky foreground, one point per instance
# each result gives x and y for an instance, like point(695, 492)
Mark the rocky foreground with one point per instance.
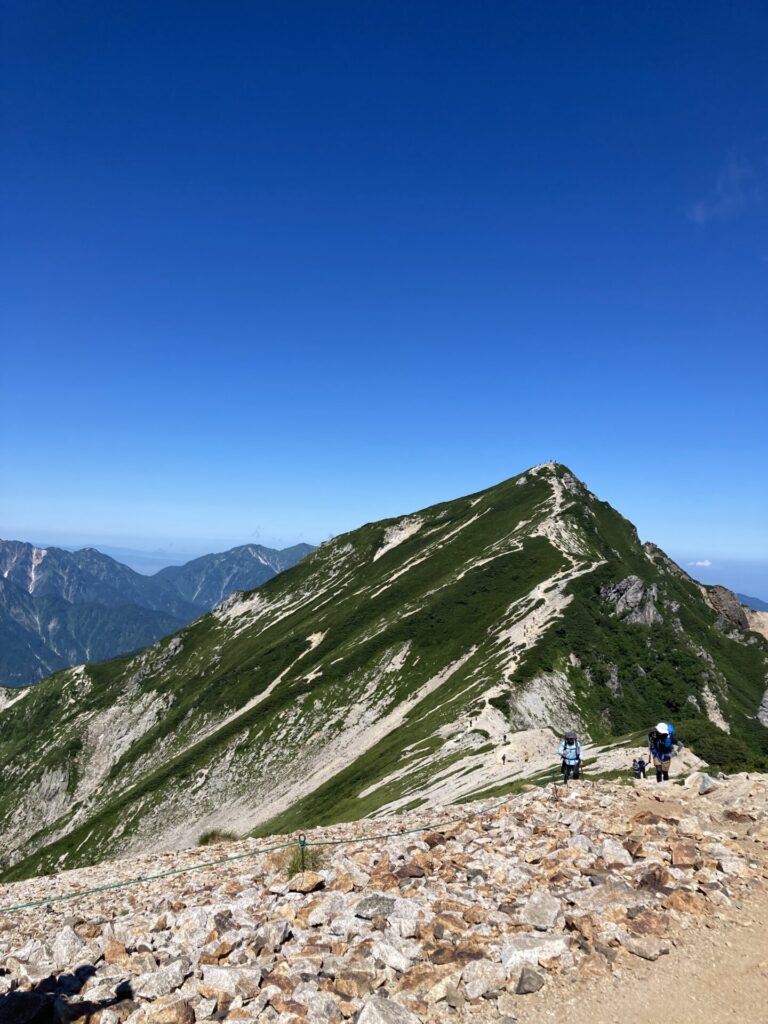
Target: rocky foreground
point(460, 921)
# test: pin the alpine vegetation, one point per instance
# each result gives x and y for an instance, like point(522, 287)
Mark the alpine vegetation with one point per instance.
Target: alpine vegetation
point(423, 660)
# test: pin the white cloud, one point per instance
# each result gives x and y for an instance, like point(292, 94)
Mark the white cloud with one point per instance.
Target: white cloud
point(739, 187)
point(702, 563)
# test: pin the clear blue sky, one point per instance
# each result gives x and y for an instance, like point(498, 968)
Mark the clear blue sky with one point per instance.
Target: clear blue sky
point(272, 270)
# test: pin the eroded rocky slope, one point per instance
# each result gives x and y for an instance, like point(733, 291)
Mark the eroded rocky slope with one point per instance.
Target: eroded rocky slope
point(412, 920)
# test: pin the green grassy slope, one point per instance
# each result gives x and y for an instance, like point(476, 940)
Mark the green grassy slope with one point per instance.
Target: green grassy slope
point(346, 683)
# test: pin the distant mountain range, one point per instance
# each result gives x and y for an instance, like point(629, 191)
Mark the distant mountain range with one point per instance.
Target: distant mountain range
point(753, 602)
point(60, 608)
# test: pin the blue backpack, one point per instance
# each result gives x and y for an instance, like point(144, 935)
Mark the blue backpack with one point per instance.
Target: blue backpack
point(660, 744)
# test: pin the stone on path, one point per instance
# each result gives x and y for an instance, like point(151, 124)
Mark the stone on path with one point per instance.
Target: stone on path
point(375, 906)
point(66, 947)
point(614, 854)
point(645, 946)
point(481, 976)
point(306, 881)
point(521, 949)
point(530, 981)
point(541, 911)
point(175, 1011)
point(386, 1011)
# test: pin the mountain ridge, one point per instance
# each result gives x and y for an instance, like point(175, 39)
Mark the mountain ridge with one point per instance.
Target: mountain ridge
point(58, 607)
point(385, 671)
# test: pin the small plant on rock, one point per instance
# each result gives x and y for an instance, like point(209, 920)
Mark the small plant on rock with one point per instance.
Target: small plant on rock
point(291, 863)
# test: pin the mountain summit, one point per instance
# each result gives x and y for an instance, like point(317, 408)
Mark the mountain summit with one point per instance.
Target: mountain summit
point(391, 668)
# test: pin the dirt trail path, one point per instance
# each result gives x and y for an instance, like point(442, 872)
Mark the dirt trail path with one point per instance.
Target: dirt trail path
point(716, 972)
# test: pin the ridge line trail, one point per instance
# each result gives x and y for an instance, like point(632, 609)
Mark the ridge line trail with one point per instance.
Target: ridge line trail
point(716, 971)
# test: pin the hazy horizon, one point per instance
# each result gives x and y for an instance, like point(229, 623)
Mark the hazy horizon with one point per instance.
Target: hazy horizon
point(748, 577)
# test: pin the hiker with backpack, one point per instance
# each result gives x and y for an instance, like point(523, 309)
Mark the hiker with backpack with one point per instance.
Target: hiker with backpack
point(638, 767)
point(661, 747)
point(570, 756)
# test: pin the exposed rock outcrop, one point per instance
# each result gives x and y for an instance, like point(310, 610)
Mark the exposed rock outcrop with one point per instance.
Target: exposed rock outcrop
point(730, 611)
point(662, 561)
point(633, 600)
point(762, 711)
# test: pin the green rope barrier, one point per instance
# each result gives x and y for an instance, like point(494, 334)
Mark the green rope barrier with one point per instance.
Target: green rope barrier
point(303, 843)
point(143, 878)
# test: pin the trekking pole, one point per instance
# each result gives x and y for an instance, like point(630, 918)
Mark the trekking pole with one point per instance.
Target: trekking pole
point(302, 847)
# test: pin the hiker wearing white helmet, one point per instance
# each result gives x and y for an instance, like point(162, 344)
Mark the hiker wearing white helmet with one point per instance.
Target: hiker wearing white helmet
point(661, 746)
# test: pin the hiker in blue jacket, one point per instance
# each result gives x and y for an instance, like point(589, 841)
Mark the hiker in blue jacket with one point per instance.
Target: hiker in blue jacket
point(570, 756)
point(661, 746)
point(638, 767)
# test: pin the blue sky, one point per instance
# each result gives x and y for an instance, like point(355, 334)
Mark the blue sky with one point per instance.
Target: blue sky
point(275, 270)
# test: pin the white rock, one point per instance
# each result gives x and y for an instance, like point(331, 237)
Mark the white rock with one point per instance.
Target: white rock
point(66, 947)
point(405, 927)
point(390, 956)
point(614, 854)
point(480, 976)
point(581, 842)
point(235, 981)
point(541, 911)
point(162, 982)
point(521, 949)
point(707, 784)
point(32, 952)
point(386, 1011)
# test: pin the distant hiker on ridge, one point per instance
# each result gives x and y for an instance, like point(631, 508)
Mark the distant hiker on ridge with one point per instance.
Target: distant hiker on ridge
point(661, 747)
point(570, 756)
point(638, 767)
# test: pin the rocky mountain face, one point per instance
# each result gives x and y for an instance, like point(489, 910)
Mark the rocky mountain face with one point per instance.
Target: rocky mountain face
point(206, 581)
point(461, 916)
point(413, 662)
point(60, 608)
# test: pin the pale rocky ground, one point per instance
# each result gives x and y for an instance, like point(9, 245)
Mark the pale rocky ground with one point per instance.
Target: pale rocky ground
point(758, 621)
point(599, 901)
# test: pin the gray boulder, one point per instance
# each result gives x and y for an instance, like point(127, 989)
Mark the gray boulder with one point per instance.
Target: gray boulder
point(66, 947)
point(633, 600)
point(235, 981)
point(707, 784)
point(162, 982)
point(520, 949)
point(529, 981)
point(375, 906)
point(481, 976)
point(541, 911)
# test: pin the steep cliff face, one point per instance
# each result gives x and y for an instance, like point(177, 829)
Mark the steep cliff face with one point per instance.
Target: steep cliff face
point(388, 670)
point(730, 611)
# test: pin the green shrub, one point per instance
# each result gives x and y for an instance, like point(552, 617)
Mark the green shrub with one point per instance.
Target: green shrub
point(716, 747)
point(314, 858)
point(501, 703)
point(216, 836)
